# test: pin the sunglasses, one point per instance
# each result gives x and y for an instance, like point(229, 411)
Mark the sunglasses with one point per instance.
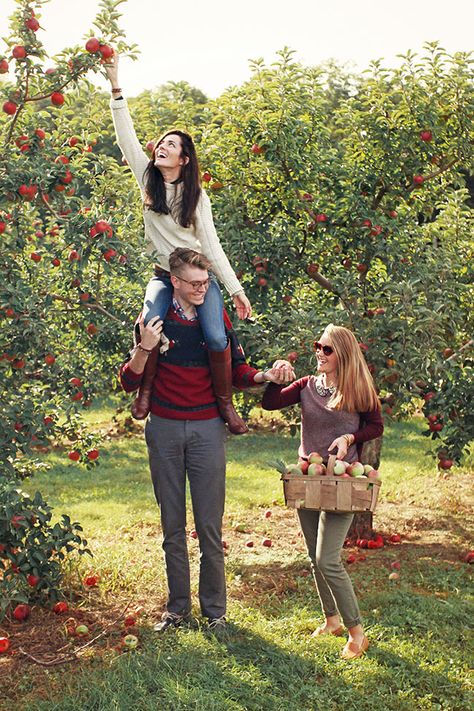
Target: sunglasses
point(327, 350)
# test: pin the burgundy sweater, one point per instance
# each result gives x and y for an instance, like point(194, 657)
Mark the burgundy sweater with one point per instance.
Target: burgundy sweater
point(320, 425)
point(182, 389)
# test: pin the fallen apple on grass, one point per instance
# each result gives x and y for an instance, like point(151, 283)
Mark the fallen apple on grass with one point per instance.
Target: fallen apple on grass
point(394, 576)
point(60, 607)
point(267, 542)
point(21, 612)
point(130, 641)
point(395, 565)
point(81, 630)
point(4, 645)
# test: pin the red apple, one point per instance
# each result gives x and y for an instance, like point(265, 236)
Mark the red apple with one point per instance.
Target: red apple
point(77, 396)
point(10, 107)
point(292, 356)
point(32, 24)
point(3, 227)
point(322, 217)
point(32, 580)
point(469, 557)
point(418, 180)
point(395, 565)
point(49, 359)
point(206, 177)
point(3, 66)
point(445, 463)
point(249, 544)
point(426, 136)
point(74, 456)
point(106, 51)
point(57, 99)
point(267, 542)
point(395, 538)
point(193, 534)
point(351, 559)
point(19, 52)
point(4, 644)
point(21, 612)
point(92, 45)
point(303, 464)
point(92, 455)
point(35, 257)
point(256, 149)
point(60, 607)
point(103, 226)
point(91, 581)
point(92, 329)
point(130, 621)
point(73, 255)
point(268, 513)
point(73, 141)
point(394, 576)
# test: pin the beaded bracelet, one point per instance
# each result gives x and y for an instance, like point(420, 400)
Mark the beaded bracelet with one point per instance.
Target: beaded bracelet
point(144, 350)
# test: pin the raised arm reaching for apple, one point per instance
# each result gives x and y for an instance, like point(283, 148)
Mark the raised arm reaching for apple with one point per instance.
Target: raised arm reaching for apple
point(177, 214)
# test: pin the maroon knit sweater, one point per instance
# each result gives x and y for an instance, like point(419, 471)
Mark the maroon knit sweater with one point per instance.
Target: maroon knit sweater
point(320, 425)
point(182, 388)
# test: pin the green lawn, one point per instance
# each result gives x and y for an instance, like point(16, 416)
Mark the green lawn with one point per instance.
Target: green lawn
point(418, 627)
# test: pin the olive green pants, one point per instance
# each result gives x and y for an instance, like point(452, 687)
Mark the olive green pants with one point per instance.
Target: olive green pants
point(324, 533)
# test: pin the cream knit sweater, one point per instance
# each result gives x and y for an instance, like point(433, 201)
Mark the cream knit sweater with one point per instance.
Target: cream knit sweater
point(162, 232)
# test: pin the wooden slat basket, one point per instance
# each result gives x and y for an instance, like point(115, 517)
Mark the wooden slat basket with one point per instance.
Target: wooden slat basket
point(329, 492)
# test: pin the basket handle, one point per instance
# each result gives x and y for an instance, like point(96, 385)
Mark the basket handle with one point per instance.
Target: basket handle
point(330, 464)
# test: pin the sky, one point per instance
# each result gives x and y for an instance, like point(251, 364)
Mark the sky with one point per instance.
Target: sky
point(209, 43)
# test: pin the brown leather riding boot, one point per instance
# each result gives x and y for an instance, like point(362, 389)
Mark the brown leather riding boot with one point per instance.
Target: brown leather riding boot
point(220, 364)
point(142, 403)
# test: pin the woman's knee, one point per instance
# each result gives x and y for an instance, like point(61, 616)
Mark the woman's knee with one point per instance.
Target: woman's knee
point(217, 342)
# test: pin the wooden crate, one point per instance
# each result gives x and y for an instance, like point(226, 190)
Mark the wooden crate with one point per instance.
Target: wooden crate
point(330, 493)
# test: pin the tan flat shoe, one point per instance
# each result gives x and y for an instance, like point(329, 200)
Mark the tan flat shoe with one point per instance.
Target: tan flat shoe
point(353, 650)
point(322, 631)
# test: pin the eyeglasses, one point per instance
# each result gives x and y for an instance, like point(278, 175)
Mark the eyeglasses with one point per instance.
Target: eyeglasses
point(327, 350)
point(195, 284)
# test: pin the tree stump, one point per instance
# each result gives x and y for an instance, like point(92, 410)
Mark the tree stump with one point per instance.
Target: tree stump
point(362, 525)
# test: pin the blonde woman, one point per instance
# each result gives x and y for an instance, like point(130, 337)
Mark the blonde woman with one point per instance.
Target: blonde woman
point(340, 411)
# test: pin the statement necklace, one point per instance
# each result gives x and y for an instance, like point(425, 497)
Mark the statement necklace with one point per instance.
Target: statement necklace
point(323, 390)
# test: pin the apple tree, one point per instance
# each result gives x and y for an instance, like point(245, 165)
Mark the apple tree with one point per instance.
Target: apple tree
point(72, 280)
point(354, 207)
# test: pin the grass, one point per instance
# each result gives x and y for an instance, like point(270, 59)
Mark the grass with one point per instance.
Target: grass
point(418, 626)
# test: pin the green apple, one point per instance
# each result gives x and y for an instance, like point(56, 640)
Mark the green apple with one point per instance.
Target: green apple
point(294, 469)
point(340, 467)
point(315, 458)
point(130, 641)
point(368, 468)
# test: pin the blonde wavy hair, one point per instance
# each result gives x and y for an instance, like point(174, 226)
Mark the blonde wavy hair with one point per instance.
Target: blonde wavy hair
point(355, 387)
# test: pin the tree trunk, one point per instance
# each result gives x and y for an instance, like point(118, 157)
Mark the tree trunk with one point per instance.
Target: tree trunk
point(362, 525)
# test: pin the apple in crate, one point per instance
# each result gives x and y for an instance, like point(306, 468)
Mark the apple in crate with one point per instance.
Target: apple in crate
point(294, 469)
point(340, 467)
point(368, 468)
point(303, 465)
point(316, 469)
point(315, 458)
point(373, 474)
point(355, 469)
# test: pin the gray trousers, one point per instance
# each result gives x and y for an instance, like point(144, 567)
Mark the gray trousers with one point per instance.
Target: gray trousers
point(324, 534)
point(195, 448)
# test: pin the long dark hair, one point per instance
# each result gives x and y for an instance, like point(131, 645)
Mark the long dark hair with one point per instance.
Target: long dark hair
point(190, 176)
